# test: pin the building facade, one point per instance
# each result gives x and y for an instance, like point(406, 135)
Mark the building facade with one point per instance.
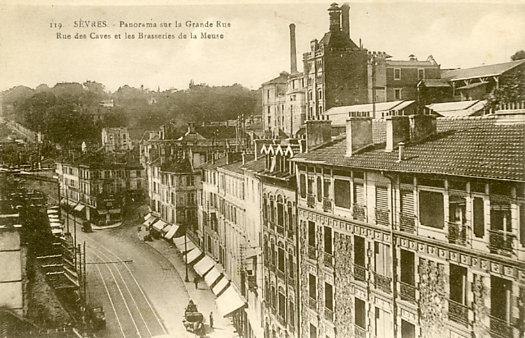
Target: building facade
point(116, 139)
point(413, 240)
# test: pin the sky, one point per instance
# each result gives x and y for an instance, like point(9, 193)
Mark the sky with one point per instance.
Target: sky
point(254, 49)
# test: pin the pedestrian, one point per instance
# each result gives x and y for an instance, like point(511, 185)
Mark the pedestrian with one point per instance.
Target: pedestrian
point(211, 320)
point(196, 281)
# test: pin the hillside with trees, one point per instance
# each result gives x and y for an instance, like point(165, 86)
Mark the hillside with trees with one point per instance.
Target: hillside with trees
point(65, 111)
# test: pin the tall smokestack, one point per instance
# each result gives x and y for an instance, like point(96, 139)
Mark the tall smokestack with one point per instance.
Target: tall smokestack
point(293, 51)
point(345, 9)
point(334, 12)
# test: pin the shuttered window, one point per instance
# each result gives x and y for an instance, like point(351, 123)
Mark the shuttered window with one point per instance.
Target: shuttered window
point(382, 198)
point(407, 202)
point(359, 194)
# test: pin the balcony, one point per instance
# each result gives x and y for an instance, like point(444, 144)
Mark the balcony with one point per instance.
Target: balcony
point(383, 283)
point(501, 243)
point(311, 252)
point(280, 230)
point(310, 200)
point(328, 260)
point(327, 204)
point(280, 274)
point(359, 273)
point(457, 234)
point(328, 314)
point(500, 328)
point(359, 332)
point(457, 312)
point(407, 223)
point(359, 212)
point(312, 303)
point(407, 292)
point(382, 217)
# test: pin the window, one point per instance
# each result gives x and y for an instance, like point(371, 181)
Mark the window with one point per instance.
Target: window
point(359, 251)
point(458, 284)
point(408, 330)
point(360, 313)
point(382, 259)
point(328, 296)
point(328, 240)
point(500, 216)
point(310, 185)
point(359, 194)
point(291, 314)
point(383, 325)
point(500, 297)
point(320, 109)
point(282, 305)
point(431, 209)
point(326, 188)
point(312, 286)
point(311, 233)
point(291, 268)
point(397, 73)
point(302, 183)
point(407, 267)
point(319, 189)
point(280, 263)
point(280, 212)
point(313, 331)
point(342, 193)
point(397, 93)
point(421, 73)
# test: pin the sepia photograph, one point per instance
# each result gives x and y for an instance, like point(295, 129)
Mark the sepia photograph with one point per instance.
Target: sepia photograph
point(251, 169)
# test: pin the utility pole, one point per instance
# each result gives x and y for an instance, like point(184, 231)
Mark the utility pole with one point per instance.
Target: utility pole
point(186, 252)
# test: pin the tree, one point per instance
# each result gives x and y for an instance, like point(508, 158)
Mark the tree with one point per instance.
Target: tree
point(519, 55)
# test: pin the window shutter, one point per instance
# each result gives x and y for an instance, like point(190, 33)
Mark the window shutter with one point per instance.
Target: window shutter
point(407, 202)
point(382, 198)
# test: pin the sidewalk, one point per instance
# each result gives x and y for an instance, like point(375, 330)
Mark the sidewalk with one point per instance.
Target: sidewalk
point(202, 297)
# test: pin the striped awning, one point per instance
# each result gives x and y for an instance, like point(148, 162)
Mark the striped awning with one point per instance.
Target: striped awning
point(220, 286)
point(212, 276)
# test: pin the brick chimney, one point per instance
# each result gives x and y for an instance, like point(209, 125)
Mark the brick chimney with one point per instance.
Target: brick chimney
point(345, 9)
point(317, 133)
point(358, 134)
point(334, 12)
point(422, 126)
point(397, 130)
point(293, 50)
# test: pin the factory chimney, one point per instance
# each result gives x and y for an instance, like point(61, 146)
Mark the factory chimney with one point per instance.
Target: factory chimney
point(334, 12)
point(293, 51)
point(345, 9)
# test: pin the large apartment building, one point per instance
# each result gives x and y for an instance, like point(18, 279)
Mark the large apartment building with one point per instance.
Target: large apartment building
point(419, 232)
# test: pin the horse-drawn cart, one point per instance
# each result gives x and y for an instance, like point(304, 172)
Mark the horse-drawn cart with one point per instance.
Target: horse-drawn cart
point(193, 319)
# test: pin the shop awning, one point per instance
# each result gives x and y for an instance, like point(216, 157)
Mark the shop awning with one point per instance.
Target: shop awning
point(159, 225)
point(79, 207)
point(204, 265)
point(193, 256)
point(53, 217)
point(169, 235)
point(166, 229)
point(179, 243)
point(229, 301)
point(52, 211)
point(149, 219)
point(212, 276)
point(252, 252)
point(72, 204)
point(220, 286)
point(55, 225)
point(56, 231)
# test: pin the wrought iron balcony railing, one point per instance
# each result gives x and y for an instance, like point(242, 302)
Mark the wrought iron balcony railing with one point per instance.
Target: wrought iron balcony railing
point(359, 332)
point(310, 200)
point(457, 312)
point(328, 260)
point(359, 212)
point(383, 217)
point(407, 223)
point(500, 328)
point(327, 204)
point(501, 243)
point(383, 283)
point(312, 303)
point(312, 252)
point(457, 233)
point(359, 273)
point(328, 314)
point(407, 292)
